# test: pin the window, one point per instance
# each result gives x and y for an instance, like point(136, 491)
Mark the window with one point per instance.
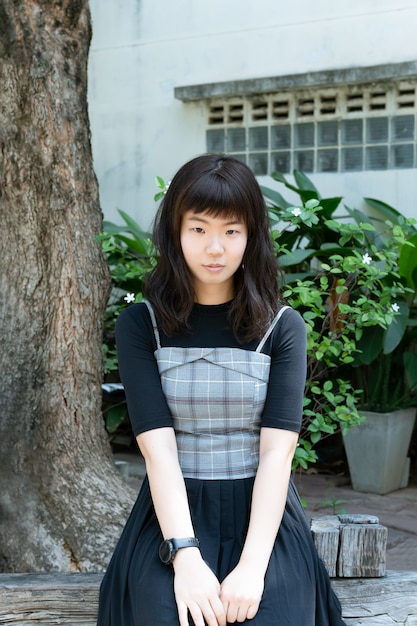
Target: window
point(343, 129)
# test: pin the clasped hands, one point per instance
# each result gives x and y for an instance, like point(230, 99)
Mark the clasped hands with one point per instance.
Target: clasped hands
point(210, 603)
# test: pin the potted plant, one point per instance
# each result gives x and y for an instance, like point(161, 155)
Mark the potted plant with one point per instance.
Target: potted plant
point(385, 369)
point(351, 282)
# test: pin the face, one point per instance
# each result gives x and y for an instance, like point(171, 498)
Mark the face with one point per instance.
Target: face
point(213, 249)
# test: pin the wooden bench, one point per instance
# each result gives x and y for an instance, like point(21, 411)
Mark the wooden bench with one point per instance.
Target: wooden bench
point(72, 599)
point(53, 598)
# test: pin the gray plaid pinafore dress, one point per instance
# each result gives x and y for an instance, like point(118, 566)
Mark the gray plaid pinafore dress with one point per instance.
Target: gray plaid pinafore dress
point(216, 397)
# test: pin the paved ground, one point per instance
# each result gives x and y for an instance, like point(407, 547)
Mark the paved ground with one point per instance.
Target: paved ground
point(328, 493)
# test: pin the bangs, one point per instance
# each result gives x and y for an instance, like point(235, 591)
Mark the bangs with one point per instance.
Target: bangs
point(217, 197)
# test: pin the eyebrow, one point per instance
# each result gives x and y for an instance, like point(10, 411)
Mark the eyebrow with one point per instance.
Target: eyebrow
point(204, 221)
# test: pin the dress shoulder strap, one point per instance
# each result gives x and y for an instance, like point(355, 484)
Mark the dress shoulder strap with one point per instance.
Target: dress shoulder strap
point(154, 324)
point(271, 328)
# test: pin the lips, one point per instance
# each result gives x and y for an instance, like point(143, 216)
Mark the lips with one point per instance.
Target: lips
point(213, 267)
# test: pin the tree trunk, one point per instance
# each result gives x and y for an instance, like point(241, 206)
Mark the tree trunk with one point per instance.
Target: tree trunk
point(62, 503)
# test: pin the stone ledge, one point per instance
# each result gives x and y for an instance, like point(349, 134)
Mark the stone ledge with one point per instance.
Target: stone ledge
point(72, 599)
point(272, 84)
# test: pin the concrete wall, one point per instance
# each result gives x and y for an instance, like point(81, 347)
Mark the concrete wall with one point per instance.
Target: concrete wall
point(142, 49)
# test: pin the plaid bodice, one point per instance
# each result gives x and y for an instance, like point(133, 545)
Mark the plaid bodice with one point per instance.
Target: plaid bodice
point(216, 397)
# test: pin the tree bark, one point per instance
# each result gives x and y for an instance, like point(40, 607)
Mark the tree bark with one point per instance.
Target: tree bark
point(62, 503)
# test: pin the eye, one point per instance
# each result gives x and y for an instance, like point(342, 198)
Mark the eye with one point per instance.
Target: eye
point(232, 231)
point(198, 229)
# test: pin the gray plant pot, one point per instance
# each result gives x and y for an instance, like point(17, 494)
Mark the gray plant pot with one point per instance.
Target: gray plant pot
point(377, 450)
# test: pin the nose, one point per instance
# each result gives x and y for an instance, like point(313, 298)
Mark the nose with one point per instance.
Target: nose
point(215, 246)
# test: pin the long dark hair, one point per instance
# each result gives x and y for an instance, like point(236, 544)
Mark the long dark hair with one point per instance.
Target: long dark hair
point(221, 186)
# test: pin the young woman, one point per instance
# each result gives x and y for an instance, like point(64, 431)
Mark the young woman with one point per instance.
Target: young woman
point(214, 366)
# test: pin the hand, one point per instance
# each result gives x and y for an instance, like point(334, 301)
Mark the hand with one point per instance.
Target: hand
point(241, 593)
point(197, 590)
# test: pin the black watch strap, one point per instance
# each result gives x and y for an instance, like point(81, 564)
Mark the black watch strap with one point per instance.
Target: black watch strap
point(169, 547)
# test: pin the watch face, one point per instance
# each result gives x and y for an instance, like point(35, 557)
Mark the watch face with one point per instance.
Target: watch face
point(166, 551)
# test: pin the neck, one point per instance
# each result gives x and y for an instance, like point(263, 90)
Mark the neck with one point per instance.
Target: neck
point(216, 295)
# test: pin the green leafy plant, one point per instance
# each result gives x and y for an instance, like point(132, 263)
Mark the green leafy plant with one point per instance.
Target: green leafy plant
point(346, 276)
point(343, 276)
point(131, 255)
point(162, 186)
point(385, 367)
point(332, 503)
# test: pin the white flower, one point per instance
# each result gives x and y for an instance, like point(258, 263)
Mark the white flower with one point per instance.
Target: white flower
point(129, 297)
point(395, 307)
point(166, 186)
point(366, 259)
point(296, 212)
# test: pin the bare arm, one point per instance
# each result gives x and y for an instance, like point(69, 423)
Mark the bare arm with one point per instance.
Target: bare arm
point(242, 589)
point(196, 587)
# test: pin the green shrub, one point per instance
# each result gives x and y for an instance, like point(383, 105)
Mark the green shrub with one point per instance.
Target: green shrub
point(348, 276)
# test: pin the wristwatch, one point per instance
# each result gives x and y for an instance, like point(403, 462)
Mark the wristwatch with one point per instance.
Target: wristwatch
point(169, 548)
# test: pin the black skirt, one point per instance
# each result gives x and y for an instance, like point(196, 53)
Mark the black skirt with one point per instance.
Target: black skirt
point(138, 590)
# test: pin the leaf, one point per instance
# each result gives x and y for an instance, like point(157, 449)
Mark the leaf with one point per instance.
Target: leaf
point(395, 331)
point(294, 257)
point(307, 194)
point(275, 197)
point(115, 416)
point(133, 226)
point(370, 345)
point(304, 183)
point(410, 365)
point(386, 211)
point(358, 215)
point(134, 244)
point(280, 178)
point(110, 228)
point(141, 240)
point(329, 206)
point(408, 262)
point(313, 204)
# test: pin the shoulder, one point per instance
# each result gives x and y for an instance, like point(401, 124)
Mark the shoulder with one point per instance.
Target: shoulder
point(290, 318)
point(134, 314)
point(290, 330)
point(134, 322)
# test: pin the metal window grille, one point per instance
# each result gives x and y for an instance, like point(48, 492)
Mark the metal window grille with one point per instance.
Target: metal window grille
point(345, 129)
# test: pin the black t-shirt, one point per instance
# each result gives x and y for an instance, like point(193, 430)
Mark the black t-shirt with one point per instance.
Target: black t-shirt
point(210, 328)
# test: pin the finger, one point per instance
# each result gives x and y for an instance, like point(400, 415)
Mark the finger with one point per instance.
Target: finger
point(219, 611)
point(241, 614)
point(197, 616)
point(252, 611)
point(231, 613)
point(203, 614)
point(214, 615)
point(225, 607)
point(183, 614)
